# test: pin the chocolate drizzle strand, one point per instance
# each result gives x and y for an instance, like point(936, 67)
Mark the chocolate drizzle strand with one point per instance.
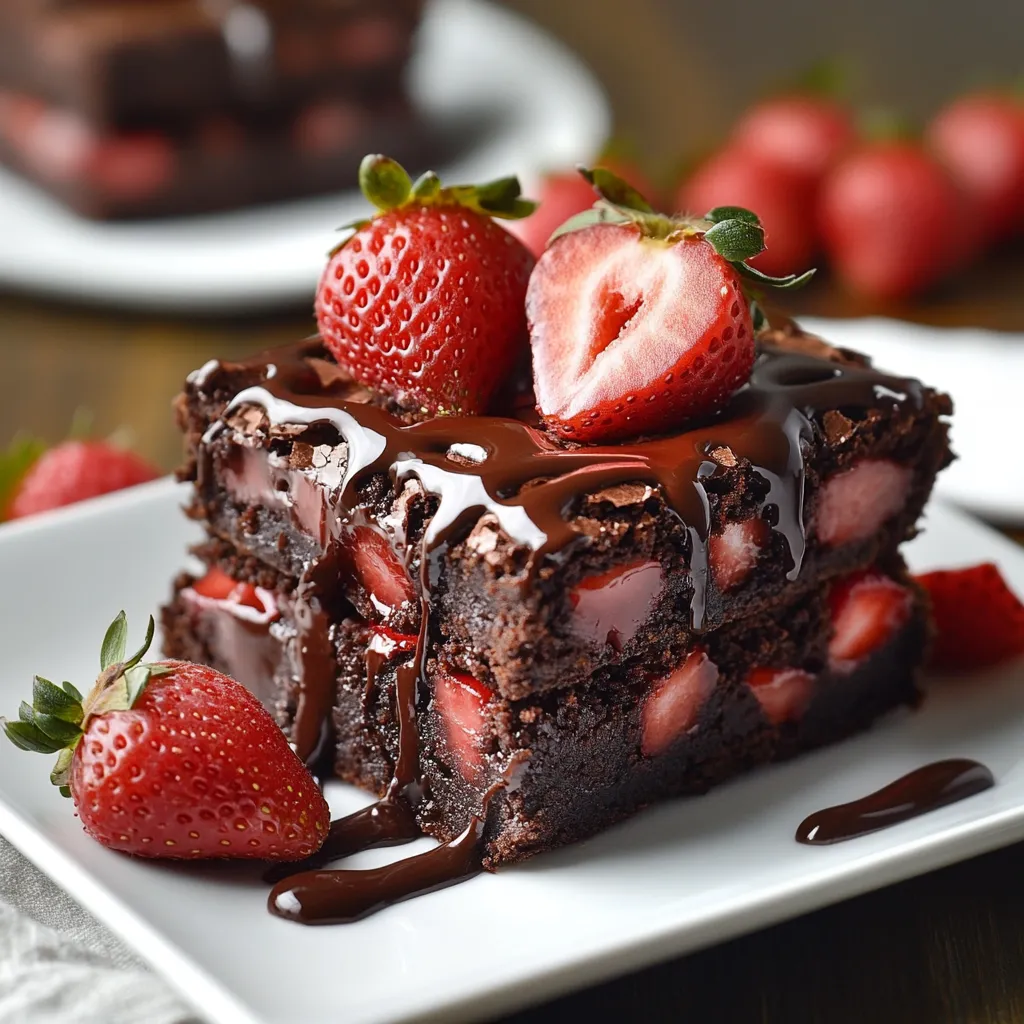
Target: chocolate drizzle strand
point(531, 484)
point(339, 897)
point(923, 790)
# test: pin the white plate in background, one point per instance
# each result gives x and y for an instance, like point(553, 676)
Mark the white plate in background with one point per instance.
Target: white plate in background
point(541, 108)
point(984, 372)
point(683, 875)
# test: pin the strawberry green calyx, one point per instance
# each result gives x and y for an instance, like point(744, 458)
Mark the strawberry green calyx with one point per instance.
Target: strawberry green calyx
point(733, 232)
point(21, 455)
point(58, 717)
point(388, 186)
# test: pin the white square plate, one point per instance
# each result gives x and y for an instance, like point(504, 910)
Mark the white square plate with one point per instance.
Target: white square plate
point(675, 878)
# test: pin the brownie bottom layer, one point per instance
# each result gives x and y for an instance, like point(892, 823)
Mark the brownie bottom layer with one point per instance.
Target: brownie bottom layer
point(566, 764)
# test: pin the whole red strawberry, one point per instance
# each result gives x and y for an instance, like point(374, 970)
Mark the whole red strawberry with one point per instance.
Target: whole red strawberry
point(173, 760)
point(979, 621)
point(980, 138)
point(425, 300)
point(802, 133)
point(892, 221)
point(638, 321)
point(33, 480)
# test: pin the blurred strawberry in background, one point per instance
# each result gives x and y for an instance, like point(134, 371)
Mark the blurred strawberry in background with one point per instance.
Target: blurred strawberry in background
point(980, 138)
point(895, 215)
point(804, 135)
point(892, 220)
point(35, 479)
point(781, 199)
point(563, 194)
point(773, 163)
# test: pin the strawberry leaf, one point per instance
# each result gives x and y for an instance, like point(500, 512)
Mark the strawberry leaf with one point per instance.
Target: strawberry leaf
point(720, 213)
point(81, 424)
point(788, 283)
point(612, 188)
point(137, 679)
point(735, 240)
point(426, 187)
point(388, 186)
point(140, 653)
point(601, 213)
point(62, 733)
point(19, 458)
point(48, 699)
point(114, 642)
point(71, 691)
point(499, 198)
point(61, 774)
point(384, 181)
point(30, 737)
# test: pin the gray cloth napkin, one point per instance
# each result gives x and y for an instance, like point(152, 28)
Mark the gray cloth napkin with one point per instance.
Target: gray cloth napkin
point(59, 965)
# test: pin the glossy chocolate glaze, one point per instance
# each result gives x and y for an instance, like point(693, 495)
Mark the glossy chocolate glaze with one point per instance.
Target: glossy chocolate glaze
point(922, 790)
point(530, 483)
point(339, 897)
point(384, 823)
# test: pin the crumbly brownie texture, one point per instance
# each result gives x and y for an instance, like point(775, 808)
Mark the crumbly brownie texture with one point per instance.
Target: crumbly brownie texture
point(164, 63)
point(819, 467)
point(608, 737)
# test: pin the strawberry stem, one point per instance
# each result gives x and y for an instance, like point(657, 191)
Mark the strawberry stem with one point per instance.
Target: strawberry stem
point(388, 186)
point(58, 716)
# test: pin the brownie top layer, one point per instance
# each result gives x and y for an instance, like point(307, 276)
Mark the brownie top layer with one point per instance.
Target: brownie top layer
point(510, 469)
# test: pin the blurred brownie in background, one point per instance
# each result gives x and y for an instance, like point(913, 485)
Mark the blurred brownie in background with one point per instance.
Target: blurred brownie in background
point(130, 108)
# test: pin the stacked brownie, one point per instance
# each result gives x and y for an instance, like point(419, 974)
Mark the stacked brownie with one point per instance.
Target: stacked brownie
point(126, 108)
point(546, 635)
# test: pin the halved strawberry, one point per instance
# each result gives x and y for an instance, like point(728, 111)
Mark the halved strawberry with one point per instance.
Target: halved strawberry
point(460, 701)
point(379, 570)
point(638, 321)
point(611, 606)
point(979, 621)
point(867, 610)
point(856, 503)
point(783, 693)
point(734, 551)
point(674, 703)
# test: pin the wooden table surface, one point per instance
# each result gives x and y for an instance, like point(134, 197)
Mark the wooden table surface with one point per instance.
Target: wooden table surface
point(947, 948)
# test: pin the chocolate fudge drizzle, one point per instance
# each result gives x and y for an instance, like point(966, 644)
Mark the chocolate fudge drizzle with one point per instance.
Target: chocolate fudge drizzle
point(530, 484)
point(922, 790)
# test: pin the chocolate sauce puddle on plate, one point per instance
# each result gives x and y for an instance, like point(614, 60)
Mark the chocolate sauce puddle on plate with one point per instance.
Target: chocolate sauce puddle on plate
point(340, 897)
point(922, 790)
point(385, 823)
